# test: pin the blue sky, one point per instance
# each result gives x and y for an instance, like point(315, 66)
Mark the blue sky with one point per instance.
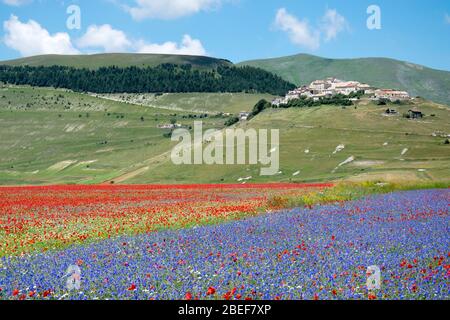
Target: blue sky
point(413, 30)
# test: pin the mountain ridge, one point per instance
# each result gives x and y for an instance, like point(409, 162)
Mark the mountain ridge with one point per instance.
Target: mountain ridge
point(96, 61)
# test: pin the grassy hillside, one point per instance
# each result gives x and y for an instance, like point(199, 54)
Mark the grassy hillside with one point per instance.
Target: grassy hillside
point(56, 136)
point(380, 72)
point(210, 103)
point(374, 140)
point(116, 59)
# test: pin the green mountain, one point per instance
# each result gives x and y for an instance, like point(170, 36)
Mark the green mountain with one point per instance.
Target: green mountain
point(117, 59)
point(380, 72)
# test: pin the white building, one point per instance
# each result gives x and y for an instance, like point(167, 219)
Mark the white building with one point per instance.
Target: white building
point(391, 94)
point(320, 85)
point(331, 86)
point(244, 115)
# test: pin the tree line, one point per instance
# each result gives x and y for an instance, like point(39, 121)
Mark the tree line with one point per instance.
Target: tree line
point(304, 102)
point(167, 78)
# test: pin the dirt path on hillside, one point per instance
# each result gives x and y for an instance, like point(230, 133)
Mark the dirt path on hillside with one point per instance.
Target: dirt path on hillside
point(127, 176)
point(135, 103)
point(140, 168)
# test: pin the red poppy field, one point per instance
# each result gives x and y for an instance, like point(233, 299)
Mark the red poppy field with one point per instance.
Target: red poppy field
point(47, 218)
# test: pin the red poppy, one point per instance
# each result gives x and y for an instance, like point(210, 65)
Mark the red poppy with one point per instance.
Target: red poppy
point(132, 287)
point(227, 296)
point(211, 291)
point(188, 296)
point(15, 292)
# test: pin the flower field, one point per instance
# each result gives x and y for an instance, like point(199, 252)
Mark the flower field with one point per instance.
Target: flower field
point(183, 253)
point(47, 218)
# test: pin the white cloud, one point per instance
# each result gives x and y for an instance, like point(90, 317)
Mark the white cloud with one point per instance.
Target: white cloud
point(447, 18)
point(112, 40)
point(188, 46)
point(299, 31)
point(105, 37)
point(332, 24)
point(169, 9)
point(16, 3)
point(31, 39)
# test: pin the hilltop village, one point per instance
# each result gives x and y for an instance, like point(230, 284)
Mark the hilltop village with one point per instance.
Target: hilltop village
point(330, 87)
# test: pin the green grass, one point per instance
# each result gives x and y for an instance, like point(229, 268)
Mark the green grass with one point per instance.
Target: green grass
point(55, 136)
point(379, 72)
point(348, 191)
point(64, 137)
point(116, 59)
point(210, 103)
point(363, 131)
